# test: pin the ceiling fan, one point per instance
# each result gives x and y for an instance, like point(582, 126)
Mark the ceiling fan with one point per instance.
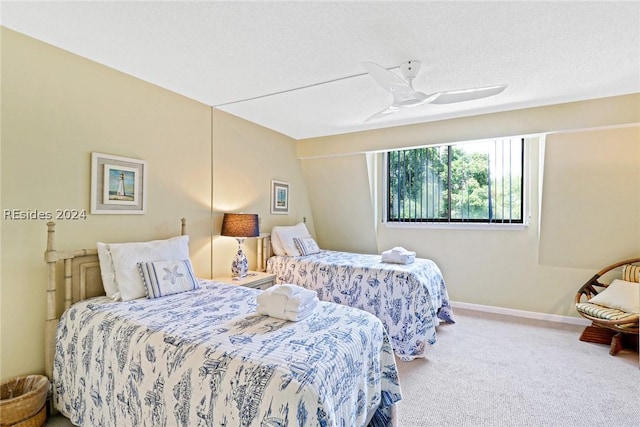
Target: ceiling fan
point(404, 95)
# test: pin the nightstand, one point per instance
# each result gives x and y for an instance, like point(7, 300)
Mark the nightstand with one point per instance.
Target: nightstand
point(255, 279)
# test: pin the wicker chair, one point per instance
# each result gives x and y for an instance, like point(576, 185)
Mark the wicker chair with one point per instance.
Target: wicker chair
point(609, 325)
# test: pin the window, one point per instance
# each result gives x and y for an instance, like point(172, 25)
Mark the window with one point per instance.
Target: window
point(476, 182)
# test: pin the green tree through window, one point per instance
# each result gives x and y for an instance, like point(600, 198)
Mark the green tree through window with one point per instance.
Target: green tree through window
point(470, 182)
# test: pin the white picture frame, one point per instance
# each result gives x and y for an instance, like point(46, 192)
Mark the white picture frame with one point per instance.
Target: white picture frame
point(118, 184)
point(279, 197)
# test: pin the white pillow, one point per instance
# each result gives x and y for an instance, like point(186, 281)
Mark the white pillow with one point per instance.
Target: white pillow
point(126, 257)
point(107, 271)
point(621, 295)
point(286, 234)
point(276, 244)
point(163, 278)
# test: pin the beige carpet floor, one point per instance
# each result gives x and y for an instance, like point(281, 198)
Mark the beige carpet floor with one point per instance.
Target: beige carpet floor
point(492, 370)
point(500, 371)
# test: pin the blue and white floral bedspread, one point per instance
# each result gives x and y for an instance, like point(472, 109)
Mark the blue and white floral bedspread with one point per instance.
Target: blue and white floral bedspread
point(408, 298)
point(205, 358)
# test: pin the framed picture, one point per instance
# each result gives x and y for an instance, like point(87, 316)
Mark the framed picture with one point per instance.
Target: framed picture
point(279, 197)
point(118, 185)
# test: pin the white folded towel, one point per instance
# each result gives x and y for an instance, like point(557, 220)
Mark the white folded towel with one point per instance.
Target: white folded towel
point(398, 255)
point(304, 312)
point(287, 303)
point(287, 289)
point(293, 315)
point(402, 251)
point(290, 302)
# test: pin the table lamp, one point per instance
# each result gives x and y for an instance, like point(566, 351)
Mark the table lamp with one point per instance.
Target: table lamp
point(240, 226)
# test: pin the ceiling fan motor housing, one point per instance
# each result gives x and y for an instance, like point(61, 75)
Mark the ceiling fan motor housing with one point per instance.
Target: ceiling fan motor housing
point(410, 69)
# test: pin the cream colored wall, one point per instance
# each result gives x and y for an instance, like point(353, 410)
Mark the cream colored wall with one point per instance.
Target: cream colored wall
point(57, 108)
point(591, 198)
point(590, 204)
point(603, 112)
point(341, 202)
point(246, 157)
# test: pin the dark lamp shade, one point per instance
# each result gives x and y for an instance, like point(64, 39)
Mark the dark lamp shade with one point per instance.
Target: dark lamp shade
point(240, 225)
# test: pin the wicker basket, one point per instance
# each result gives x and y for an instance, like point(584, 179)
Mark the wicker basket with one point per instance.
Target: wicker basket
point(23, 401)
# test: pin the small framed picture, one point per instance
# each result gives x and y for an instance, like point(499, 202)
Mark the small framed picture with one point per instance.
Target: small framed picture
point(118, 184)
point(279, 197)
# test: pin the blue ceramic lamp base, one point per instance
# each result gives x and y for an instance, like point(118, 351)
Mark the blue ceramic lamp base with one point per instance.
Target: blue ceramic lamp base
point(240, 264)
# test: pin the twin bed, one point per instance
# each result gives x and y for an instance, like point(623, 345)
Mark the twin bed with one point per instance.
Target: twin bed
point(410, 299)
point(195, 352)
point(201, 355)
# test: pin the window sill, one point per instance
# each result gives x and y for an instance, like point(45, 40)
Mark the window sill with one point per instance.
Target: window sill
point(451, 226)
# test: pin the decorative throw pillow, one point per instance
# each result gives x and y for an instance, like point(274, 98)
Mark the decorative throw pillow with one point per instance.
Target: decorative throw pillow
point(631, 273)
point(621, 295)
point(162, 278)
point(306, 245)
point(126, 257)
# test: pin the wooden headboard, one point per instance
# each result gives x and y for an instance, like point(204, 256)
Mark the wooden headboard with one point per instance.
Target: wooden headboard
point(264, 251)
point(82, 280)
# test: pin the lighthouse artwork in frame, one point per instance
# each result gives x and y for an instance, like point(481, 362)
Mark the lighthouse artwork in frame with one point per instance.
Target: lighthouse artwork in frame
point(118, 184)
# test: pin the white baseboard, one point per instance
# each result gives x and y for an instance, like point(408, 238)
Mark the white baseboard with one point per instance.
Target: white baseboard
point(522, 313)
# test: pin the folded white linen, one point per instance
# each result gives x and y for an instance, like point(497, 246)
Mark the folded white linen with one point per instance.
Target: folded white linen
point(398, 255)
point(288, 289)
point(301, 306)
point(271, 310)
point(288, 301)
point(295, 316)
point(398, 259)
point(402, 251)
point(278, 311)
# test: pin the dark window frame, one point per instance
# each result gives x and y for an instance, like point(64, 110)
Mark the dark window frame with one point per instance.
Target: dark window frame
point(447, 219)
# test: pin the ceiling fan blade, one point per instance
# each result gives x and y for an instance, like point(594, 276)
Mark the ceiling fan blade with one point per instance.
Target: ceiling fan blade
point(403, 99)
point(452, 96)
point(385, 78)
point(389, 110)
point(413, 98)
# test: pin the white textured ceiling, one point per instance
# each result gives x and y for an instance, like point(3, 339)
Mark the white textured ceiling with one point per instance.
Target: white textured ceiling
point(264, 60)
